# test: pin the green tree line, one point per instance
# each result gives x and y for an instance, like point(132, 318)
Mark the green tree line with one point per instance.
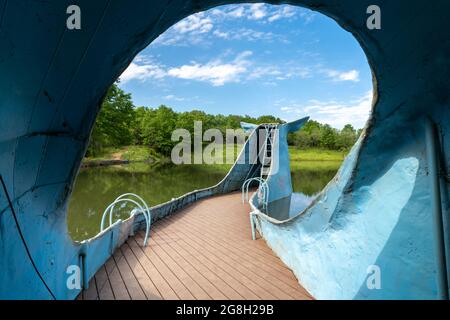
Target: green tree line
point(323, 136)
point(120, 123)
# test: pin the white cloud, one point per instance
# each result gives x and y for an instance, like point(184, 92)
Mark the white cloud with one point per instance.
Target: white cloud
point(230, 69)
point(274, 17)
point(197, 23)
point(216, 72)
point(237, 13)
point(273, 73)
point(337, 114)
point(300, 72)
point(351, 75)
point(307, 16)
point(189, 31)
point(266, 13)
point(142, 72)
point(168, 38)
point(264, 71)
point(221, 34)
point(173, 98)
point(200, 27)
point(289, 109)
point(257, 11)
point(231, 11)
point(282, 13)
point(253, 35)
point(246, 34)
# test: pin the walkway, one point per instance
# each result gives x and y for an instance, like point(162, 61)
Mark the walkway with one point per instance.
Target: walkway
point(202, 252)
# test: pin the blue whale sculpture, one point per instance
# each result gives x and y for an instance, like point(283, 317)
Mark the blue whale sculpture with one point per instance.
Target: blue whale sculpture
point(381, 210)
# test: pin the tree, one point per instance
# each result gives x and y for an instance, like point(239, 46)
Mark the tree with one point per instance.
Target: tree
point(347, 137)
point(268, 119)
point(328, 137)
point(157, 127)
point(114, 122)
point(317, 135)
point(138, 123)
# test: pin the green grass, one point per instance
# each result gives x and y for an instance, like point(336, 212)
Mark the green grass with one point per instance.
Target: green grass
point(103, 154)
point(315, 159)
point(131, 153)
point(139, 153)
point(309, 159)
point(316, 155)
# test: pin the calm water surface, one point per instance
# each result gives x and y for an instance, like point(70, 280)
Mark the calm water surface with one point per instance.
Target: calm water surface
point(96, 188)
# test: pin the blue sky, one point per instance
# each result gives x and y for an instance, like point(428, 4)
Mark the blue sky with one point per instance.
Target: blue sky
point(257, 60)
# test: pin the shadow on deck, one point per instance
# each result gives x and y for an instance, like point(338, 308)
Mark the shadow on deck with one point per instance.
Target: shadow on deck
point(203, 252)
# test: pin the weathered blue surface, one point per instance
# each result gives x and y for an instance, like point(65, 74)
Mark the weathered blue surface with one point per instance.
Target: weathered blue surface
point(334, 248)
point(279, 179)
point(376, 211)
point(248, 127)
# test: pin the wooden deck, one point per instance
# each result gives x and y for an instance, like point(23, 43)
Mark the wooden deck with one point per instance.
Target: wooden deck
point(203, 252)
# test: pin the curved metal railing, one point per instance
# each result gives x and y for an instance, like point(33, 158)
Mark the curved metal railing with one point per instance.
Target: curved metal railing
point(263, 191)
point(141, 206)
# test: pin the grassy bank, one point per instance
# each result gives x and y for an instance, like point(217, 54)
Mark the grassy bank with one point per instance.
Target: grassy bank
point(316, 155)
point(309, 159)
point(315, 159)
point(130, 153)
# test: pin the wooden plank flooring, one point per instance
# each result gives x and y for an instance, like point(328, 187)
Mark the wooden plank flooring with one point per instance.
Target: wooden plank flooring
point(203, 252)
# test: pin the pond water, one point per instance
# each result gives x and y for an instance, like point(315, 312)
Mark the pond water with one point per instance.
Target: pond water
point(289, 207)
point(306, 184)
point(95, 188)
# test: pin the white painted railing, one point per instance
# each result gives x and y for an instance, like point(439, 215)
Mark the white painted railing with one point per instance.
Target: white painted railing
point(141, 207)
point(263, 191)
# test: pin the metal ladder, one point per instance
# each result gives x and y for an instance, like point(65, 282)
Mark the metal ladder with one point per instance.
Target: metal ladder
point(267, 151)
point(266, 162)
point(263, 188)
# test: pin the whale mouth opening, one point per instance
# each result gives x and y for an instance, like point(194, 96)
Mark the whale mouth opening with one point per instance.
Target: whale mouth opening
point(274, 62)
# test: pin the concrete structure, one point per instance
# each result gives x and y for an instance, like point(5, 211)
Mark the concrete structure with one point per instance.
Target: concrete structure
point(379, 210)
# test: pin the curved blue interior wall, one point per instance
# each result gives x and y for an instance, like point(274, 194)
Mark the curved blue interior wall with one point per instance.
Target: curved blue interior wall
point(52, 81)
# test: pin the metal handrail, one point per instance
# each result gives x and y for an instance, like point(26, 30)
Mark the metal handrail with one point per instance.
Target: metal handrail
point(146, 212)
point(263, 149)
point(257, 157)
point(254, 223)
point(263, 188)
point(147, 209)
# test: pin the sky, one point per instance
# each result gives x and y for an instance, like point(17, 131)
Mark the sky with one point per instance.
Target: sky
point(256, 59)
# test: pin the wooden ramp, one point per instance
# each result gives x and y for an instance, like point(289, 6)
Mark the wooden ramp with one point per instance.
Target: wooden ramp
point(203, 252)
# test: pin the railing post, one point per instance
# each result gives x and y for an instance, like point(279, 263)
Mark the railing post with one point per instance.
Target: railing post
point(252, 224)
point(84, 274)
point(438, 225)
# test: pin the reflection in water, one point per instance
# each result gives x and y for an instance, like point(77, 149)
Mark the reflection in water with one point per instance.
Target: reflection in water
point(289, 207)
point(311, 181)
point(306, 186)
point(96, 188)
